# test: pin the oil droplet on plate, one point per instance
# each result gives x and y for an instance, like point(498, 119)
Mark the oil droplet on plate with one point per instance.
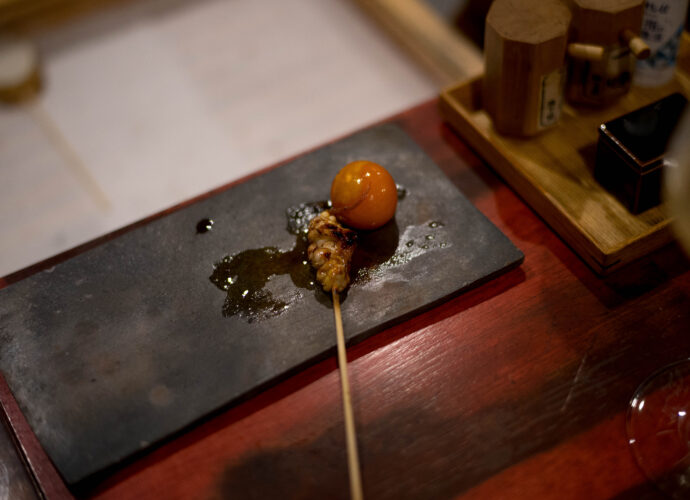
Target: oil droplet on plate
point(418, 241)
point(204, 226)
point(298, 217)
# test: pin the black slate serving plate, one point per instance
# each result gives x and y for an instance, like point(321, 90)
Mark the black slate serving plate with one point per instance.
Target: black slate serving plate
point(127, 343)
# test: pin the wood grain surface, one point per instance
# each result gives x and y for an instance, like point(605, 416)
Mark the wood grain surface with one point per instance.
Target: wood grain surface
point(554, 173)
point(524, 53)
point(603, 22)
point(36, 477)
point(517, 389)
point(446, 52)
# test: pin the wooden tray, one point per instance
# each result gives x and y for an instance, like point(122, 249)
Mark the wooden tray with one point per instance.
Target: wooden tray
point(553, 172)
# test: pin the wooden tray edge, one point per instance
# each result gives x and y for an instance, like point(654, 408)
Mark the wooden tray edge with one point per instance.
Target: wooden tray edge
point(601, 260)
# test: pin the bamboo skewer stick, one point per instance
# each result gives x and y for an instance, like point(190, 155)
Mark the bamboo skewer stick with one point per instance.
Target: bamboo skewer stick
point(350, 435)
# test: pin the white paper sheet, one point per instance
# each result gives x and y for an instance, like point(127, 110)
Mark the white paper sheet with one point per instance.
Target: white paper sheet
point(161, 101)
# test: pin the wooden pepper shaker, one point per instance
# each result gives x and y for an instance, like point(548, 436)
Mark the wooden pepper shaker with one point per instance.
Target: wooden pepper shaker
point(614, 26)
point(524, 51)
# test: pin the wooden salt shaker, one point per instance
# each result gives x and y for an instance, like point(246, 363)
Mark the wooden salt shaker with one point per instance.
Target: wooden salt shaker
point(614, 26)
point(524, 51)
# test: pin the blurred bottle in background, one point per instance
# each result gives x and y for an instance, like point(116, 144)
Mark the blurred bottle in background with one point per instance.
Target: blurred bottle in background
point(677, 182)
point(662, 26)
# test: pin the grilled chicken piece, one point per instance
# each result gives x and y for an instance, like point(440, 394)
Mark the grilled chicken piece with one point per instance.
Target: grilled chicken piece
point(330, 250)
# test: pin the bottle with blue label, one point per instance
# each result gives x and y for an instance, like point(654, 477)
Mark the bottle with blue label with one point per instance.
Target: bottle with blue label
point(662, 26)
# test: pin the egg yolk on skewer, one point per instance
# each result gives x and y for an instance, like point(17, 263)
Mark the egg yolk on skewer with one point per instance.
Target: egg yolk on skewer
point(364, 195)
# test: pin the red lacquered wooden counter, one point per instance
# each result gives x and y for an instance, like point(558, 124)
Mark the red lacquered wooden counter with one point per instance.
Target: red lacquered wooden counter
point(516, 389)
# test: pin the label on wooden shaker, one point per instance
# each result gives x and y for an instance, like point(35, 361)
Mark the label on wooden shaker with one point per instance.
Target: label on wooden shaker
point(611, 76)
point(601, 82)
point(551, 98)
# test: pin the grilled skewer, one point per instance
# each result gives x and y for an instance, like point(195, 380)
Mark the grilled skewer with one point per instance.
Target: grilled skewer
point(365, 196)
point(330, 249)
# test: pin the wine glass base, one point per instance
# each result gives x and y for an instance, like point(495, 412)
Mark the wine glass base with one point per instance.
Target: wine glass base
point(658, 428)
